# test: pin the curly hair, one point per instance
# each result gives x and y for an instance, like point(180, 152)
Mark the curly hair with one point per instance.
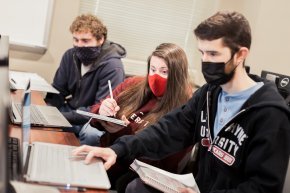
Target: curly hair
point(89, 23)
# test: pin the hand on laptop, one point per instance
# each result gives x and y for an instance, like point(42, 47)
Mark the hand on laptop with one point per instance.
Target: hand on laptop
point(112, 127)
point(107, 154)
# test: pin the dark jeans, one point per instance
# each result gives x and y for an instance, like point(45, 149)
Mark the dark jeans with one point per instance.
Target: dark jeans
point(124, 180)
point(138, 186)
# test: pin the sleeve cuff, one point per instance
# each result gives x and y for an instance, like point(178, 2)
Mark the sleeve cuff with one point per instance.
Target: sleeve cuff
point(119, 150)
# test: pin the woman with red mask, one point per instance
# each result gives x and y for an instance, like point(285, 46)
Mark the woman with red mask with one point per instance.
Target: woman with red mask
point(141, 101)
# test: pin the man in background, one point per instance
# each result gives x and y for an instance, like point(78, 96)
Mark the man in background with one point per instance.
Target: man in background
point(84, 71)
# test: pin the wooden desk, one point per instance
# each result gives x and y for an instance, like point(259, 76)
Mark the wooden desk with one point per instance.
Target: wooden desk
point(47, 134)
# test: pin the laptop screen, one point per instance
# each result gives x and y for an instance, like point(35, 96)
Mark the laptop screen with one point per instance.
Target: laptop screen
point(3, 144)
point(4, 98)
point(26, 126)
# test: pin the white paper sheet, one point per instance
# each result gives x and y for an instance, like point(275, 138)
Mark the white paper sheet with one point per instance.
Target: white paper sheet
point(19, 81)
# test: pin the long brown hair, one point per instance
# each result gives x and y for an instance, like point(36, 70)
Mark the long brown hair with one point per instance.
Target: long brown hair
point(178, 89)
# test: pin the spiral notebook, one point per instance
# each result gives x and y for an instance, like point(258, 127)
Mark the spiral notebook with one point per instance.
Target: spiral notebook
point(102, 117)
point(163, 180)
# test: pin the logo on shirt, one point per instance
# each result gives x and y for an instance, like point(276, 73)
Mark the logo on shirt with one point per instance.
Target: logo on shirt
point(137, 118)
point(226, 145)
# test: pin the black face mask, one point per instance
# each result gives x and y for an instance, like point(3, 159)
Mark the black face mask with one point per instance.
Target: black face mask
point(87, 55)
point(214, 72)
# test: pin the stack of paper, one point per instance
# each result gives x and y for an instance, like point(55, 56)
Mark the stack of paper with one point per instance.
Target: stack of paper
point(163, 180)
point(19, 80)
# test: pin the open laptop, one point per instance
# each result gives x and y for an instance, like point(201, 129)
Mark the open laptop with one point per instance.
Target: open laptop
point(5, 161)
point(52, 164)
point(41, 115)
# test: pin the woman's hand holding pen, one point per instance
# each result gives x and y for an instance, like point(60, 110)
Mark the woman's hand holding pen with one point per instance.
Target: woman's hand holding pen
point(109, 107)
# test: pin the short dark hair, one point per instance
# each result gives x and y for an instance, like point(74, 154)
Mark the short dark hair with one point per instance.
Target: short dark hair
point(232, 27)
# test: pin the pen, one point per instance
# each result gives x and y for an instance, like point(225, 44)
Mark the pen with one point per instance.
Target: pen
point(68, 187)
point(110, 89)
point(111, 93)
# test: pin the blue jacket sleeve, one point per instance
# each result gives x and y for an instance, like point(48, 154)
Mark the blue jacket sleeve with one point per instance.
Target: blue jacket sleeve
point(112, 71)
point(60, 83)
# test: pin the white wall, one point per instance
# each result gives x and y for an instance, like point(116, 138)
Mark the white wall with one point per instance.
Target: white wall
point(268, 19)
point(60, 40)
point(271, 40)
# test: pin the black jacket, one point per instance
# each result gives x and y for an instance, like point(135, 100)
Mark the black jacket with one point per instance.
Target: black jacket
point(84, 91)
point(249, 155)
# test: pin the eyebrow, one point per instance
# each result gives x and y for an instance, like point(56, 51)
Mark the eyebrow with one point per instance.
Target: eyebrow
point(82, 39)
point(208, 51)
point(164, 67)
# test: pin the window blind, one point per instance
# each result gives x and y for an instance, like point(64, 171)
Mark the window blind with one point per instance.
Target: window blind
point(140, 26)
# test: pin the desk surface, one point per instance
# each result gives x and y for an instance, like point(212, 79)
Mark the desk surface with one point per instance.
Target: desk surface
point(47, 134)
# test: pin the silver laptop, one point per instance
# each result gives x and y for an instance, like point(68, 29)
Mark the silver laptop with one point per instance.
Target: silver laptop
point(52, 164)
point(41, 115)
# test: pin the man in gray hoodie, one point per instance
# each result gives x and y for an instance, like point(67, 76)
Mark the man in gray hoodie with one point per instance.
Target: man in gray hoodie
point(84, 71)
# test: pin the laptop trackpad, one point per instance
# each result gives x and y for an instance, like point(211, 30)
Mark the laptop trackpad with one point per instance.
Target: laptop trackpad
point(53, 116)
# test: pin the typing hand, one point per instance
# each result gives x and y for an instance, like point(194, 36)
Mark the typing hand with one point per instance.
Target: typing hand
point(109, 107)
point(186, 190)
point(107, 154)
point(113, 128)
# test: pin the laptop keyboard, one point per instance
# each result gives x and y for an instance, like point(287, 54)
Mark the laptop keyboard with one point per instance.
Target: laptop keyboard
point(58, 157)
point(35, 114)
point(14, 165)
point(55, 163)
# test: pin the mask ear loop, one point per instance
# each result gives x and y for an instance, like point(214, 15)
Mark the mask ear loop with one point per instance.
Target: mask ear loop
point(233, 54)
point(233, 71)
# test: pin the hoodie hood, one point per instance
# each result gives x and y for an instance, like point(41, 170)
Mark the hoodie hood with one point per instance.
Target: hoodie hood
point(270, 95)
point(112, 50)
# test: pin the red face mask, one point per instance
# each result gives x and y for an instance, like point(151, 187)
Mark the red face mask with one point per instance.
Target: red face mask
point(157, 84)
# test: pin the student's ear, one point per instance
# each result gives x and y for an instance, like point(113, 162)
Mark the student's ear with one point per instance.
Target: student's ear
point(101, 41)
point(242, 54)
